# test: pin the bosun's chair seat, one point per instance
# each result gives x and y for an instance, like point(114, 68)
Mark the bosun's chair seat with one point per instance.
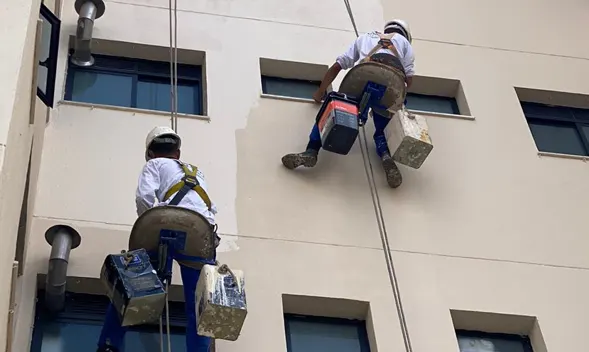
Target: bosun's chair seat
point(200, 238)
point(393, 78)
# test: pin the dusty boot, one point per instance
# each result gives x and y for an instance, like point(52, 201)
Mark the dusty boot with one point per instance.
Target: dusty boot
point(394, 178)
point(307, 158)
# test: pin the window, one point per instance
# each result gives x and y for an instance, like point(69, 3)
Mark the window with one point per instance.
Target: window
point(78, 327)
point(135, 83)
point(287, 87)
point(558, 129)
point(474, 341)
point(314, 334)
point(432, 103)
point(47, 53)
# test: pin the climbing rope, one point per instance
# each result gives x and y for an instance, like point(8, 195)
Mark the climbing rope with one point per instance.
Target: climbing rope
point(380, 219)
point(173, 13)
point(173, 17)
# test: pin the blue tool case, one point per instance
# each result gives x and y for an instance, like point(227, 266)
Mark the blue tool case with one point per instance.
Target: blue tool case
point(133, 287)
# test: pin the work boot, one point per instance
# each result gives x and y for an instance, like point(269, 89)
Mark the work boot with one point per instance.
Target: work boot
point(394, 178)
point(307, 158)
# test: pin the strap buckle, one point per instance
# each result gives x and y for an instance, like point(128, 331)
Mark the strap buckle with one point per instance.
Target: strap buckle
point(191, 181)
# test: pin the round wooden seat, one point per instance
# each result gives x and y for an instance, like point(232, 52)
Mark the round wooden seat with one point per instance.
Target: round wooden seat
point(393, 78)
point(201, 240)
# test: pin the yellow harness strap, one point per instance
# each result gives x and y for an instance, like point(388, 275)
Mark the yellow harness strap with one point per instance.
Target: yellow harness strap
point(384, 42)
point(190, 180)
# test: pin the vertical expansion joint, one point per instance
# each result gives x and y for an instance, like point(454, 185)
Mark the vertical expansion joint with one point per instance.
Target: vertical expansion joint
point(62, 239)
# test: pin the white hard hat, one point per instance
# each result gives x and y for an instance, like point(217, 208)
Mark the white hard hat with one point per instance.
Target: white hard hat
point(402, 25)
point(163, 133)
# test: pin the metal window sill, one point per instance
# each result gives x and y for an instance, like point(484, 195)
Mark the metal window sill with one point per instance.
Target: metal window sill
point(282, 97)
point(564, 156)
point(133, 110)
point(418, 112)
point(440, 114)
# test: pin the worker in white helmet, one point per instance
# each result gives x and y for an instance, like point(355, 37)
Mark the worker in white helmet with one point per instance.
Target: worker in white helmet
point(391, 48)
point(164, 180)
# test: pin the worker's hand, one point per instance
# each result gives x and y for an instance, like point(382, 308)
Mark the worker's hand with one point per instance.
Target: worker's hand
point(318, 96)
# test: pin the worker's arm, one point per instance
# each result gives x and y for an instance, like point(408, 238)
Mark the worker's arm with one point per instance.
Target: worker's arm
point(409, 65)
point(148, 185)
point(203, 183)
point(330, 75)
point(343, 62)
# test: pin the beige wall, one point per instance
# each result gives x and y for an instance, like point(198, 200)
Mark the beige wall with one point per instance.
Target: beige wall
point(18, 26)
point(484, 225)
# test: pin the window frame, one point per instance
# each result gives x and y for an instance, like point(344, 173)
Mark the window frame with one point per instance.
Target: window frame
point(137, 69)
point(48, 97)
point(264, 79)
point(525, 340)
point(360, 325)
point(451, 100)
point(568, 117)
point(92, 313)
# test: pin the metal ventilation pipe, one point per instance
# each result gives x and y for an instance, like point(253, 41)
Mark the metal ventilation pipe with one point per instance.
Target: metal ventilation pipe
point(88, 11)
point(62, 239)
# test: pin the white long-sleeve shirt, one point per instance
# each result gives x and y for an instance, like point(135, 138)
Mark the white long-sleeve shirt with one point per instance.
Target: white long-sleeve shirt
point(362, 46)
point(157, 177)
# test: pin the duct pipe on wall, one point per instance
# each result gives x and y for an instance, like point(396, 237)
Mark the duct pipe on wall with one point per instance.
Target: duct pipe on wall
point(62, 239)
point(88, 11)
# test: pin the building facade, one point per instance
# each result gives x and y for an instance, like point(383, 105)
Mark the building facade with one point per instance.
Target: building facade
point(489, 237)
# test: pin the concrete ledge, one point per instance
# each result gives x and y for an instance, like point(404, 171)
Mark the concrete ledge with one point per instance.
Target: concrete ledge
point(418, 112)
point(132, 110)
point(325, 306)
point(281, 97)
point(439, 114)
point(564, 156)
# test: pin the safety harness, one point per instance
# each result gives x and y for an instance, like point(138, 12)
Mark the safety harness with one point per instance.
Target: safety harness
point(384, 42)
point(188, 182)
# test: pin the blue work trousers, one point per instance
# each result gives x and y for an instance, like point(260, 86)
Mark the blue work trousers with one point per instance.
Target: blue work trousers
point(380, 123)
point(115, 333)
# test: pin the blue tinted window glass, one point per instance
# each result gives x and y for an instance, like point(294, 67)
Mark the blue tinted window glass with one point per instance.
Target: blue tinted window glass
point(311, 336)
point(540, 110)
point(289, 87)
point(557, 137)
point(102, 88)
point(586, 132)
point(469, 341)
point(155, 95)
point(432, 103)
point(581, 114)
point(80, 336)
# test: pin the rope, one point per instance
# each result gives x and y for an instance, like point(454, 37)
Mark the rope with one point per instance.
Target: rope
point(168, 319)
point(173, 63)
point(169, 336)
point(161, 335)
point(174, 124)
point(351, 14)
point(380, 220)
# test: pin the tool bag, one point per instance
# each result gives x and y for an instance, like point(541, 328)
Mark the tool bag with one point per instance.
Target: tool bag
point(133, 287)
point(337, 121)
point(221, 306)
